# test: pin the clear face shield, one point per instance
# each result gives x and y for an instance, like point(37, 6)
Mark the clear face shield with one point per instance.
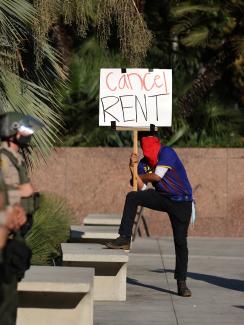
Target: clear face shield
point(27, 126)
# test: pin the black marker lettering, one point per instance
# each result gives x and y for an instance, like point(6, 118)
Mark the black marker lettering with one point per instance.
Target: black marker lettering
point(156, 97)
point(123, 107)
point(143, 112)
point(105, 110)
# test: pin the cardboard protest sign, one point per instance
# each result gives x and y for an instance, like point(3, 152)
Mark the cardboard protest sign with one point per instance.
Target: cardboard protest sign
point(135, 98)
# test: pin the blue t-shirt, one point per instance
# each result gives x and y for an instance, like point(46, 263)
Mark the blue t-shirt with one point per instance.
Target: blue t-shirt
point(174, 183)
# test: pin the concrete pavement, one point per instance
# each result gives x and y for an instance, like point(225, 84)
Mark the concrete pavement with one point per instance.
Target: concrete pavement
point(216, 278)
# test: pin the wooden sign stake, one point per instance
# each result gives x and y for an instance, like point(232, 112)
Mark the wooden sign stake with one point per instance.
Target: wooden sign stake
point(135, 151)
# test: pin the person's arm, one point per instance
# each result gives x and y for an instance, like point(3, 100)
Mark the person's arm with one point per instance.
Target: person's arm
point(140, 184)
point(159, 173)
point(3, 236)
point(26, 189)
point(11, 219)
point(165, 160)
point(152, 177)
point(14, 218)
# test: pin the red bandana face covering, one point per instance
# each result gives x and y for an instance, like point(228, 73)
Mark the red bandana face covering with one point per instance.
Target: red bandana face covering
point(150, 147)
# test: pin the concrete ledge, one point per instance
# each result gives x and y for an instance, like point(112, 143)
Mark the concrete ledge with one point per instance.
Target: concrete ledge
point(110, 268)
point(46, 289)
point(100, 219)
point(94, 234)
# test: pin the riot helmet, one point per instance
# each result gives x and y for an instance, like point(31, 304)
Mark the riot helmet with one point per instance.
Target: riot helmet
point(12, 123)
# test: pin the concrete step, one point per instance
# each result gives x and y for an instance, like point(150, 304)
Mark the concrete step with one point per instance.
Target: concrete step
point(93, 234)
point(46, 289)
point(102, 219)
point(110, 268)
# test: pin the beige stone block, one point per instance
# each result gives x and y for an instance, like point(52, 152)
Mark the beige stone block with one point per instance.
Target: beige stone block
point(93, 234)
point(102, 219)
point(56, 295)
point(110, 268)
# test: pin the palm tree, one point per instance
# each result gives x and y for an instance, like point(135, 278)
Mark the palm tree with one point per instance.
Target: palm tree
point(80, 98)
point(124, 16)
point(30, 67)
point(24, 83)
point(216, 26)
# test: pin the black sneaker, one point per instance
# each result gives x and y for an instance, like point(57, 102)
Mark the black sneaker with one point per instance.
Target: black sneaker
point(183, 290)
point(120, 243)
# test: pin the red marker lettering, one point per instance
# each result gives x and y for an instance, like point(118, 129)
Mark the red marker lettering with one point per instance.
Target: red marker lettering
point(107, 84)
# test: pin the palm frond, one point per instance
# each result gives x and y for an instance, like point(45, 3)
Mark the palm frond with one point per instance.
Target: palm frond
point(178, 134)
point(186, 8)
point(50, 229)
point(9, 31)
point(12, 35)
point(197, 37)
point(78, 11)
point(182, 26)
point(52, 56)
point(21, 10)
point(134, 36)
point(237, 44)
point(23, 94)
point(81, 96)
point(17, 94)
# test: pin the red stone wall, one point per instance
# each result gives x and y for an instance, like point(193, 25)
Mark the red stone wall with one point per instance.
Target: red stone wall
point(97, 180)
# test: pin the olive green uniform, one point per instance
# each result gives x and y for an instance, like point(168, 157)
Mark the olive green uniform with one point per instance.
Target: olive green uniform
point(14, 172)
point(15, 255)
point(8, 292)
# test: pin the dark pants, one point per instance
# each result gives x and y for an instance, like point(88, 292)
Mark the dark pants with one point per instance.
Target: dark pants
point(8, 303)
point(179, 214)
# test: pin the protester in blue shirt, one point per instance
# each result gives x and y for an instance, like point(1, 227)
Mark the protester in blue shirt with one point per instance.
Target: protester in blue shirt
point(172, 193)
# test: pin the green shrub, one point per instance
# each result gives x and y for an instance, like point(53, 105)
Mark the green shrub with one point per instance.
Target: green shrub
point(50, 228)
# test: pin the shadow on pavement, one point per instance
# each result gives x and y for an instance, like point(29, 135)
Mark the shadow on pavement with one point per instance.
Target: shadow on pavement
point(232, 284)
point(241, 307)
point(137, 283)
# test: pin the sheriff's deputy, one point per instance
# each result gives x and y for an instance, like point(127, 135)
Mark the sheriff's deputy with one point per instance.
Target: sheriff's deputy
point(16, 130)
